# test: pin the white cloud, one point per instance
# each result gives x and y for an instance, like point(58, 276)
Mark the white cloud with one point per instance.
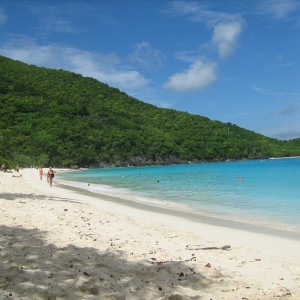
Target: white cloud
point(106, 68)
point(225, 36)
point(64, 17)
point(226, 28)
point(56, 18)
point(279, 9)
point(288, 111)
point(198, 76)
point(272, 92)
point(284, 132)
point(58, 25)
point(146, 56)
point(3, 16)
point(196, 12)
point(186, 56)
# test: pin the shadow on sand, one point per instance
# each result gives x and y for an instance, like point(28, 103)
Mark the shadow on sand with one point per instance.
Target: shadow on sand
point(30, 268)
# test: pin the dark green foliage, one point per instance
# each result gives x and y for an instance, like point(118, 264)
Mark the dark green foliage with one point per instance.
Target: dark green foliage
point(55, 117)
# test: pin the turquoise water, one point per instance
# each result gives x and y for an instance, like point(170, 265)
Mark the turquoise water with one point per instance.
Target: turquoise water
point(266, 191)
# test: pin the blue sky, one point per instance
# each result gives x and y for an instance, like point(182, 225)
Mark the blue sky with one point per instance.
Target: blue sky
point(232, 61)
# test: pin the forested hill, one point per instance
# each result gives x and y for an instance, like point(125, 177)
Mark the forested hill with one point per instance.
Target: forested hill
point(59, 118)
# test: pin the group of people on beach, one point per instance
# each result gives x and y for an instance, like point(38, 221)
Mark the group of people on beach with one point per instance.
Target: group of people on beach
point(50, 175)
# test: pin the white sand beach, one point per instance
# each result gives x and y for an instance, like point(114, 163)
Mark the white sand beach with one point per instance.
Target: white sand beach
point(56, 243)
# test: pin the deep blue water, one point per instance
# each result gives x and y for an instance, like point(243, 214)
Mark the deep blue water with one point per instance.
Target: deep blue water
point(253, 190)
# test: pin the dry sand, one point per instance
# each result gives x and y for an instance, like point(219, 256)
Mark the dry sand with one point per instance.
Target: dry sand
point(60, 244)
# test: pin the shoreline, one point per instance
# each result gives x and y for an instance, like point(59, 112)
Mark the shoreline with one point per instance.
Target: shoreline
point(58, 243)
point(190, 216)
point(280, 213)
point(230, 219)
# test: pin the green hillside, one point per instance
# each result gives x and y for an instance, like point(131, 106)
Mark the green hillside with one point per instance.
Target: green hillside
point(59, 118)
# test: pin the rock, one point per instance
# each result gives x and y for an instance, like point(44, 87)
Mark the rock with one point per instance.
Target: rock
point(176, 297)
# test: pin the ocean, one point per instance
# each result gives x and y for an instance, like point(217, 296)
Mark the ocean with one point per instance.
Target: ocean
point(264, 192)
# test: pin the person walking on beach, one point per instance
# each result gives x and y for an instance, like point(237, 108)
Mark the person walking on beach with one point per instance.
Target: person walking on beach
point(41, 172)
point(50, 176)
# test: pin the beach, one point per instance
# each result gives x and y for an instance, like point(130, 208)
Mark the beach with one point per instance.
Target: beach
point(58, 243)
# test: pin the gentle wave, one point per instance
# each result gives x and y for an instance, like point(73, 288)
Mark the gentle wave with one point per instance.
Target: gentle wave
point(122, 193)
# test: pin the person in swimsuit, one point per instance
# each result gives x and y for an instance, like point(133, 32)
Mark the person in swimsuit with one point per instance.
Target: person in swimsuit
point(41, 172)
point(50, 176)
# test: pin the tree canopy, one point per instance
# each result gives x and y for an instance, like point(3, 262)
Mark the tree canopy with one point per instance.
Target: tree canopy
point(59, 118)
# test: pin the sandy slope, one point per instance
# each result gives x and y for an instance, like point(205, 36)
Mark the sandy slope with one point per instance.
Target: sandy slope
point(59, 244)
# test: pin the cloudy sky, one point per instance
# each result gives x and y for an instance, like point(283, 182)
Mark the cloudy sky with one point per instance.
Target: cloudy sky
point(234, 61)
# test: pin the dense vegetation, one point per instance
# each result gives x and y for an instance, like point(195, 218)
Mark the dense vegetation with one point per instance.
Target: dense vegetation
point(55, 117)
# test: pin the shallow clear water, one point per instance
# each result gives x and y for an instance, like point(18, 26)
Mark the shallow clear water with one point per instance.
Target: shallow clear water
point(258, 190)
